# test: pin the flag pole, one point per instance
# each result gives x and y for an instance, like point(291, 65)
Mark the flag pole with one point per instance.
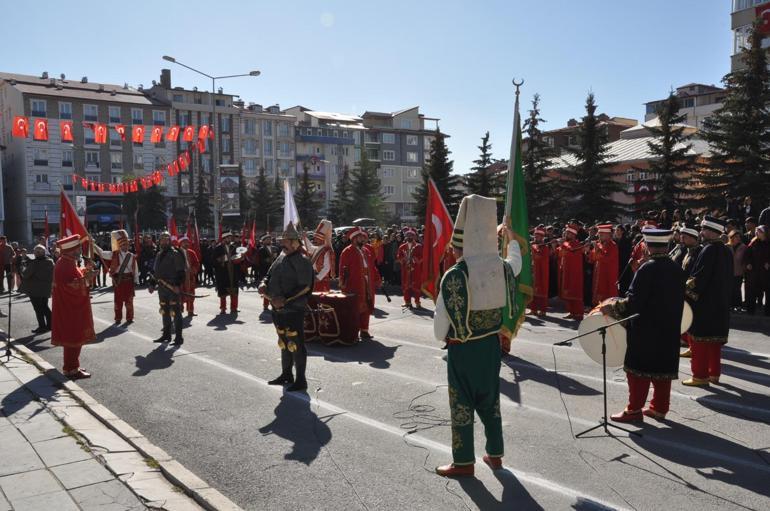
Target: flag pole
point(514, 151)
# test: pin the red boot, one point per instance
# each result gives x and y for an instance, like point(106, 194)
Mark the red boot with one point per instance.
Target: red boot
point(494, 462)
point(626, 416)
point(453, 470)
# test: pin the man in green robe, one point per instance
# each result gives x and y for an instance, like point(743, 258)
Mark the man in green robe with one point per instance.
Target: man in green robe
point(474, 295)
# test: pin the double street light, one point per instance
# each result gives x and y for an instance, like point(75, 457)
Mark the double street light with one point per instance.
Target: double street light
point(214, 152)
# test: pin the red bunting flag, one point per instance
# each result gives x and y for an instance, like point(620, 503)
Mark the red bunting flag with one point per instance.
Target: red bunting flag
point(70, 223)
point(184, 160)
point(41, 130)
point(175, 166)
point(211, 132)
point(253, 236)
point(189, 134)
point(156, 136)
point(203, 132)
point(137, 135)
point(172, 230)
point(65, 127)
point(201, 146)
point(172, 134)
point(121, 129)
point(100, 133)
point(20, 127)
point(101, 187)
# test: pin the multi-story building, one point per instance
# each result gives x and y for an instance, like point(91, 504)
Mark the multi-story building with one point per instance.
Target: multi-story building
point(326, 143)
point(569, 137)
point(267, 142)
point(35, 170)
point(744, 14)
point(400, 142)
point(697, 102)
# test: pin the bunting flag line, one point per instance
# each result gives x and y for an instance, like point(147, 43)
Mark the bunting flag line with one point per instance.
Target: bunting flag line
point(137, 134)
point(65, 128)
point(156, 135)
point(100, 133)
point(121, 129)
point(20, 127)
point(173, 134)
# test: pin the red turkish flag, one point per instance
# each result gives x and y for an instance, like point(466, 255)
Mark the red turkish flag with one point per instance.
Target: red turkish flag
point(173, 231)
point(438, 233)
point(20, 127)
point(201, 146)
point(70, 223)
point(41, 130)
point(182, 161)
point(763, 15)
point(203, 132)
point(156, 136)
point(65, 127)
point(211, 132)
point(189, 134)
point(172, 134)
point(137, 135)
point(100, 133)
point(121, 129)
point(192, 234)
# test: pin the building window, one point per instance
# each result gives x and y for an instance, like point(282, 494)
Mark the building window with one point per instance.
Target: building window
point(206, 165)
point(406, 124)
point(225, 124)
point(90, 112)
point(115, 138)
point(267, 128)
point(572, 140)
point(411, 157)
point(41, 178)
point(412, 140)
point(159, 118)
point(387, 172)
point(336, 134)
point(388, 155)
point(225, 143)
point(138, 161)
point(389, 190)
point(373, 154)
point(65, 110)
point(184, 118)
point(269, 167)
point(285, 167)
point(283, 129)
point(334, 150)
point(372, 138)
point(178, 98)
point(357, 154)
point(688, 103)
point(159, 161)
point(250, 127)
point(116, 161)
point(137, 116)
point(268, 148)
point(37, 107)
point(249, 146)
point(114, 112)
point(413, 173)
point(92, 158)
point(40, 157)
point(66, 158)
point(388, 138)
point(219, 102)
point(344, 134)
point(249, 167)
point(284, 150)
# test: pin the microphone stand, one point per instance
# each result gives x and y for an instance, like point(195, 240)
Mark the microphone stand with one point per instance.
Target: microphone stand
point(603, 332)
point(8, 338)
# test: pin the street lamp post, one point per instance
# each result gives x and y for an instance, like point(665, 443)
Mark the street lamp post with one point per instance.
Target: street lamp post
point(214, 151)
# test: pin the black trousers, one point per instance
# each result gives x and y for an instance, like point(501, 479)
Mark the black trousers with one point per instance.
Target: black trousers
point(42, 311)
point(290, 327)
point(171, 311)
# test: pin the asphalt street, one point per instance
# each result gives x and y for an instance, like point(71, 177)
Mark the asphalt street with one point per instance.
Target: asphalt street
point(374, 422)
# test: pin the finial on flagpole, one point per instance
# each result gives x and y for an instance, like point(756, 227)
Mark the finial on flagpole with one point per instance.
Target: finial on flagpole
point(517, 85)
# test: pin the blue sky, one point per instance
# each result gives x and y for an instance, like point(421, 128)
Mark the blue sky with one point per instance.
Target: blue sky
point(454, 59)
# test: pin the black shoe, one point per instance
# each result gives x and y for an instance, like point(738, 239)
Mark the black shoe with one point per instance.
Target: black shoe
point(282, 380)
point(297, 386)
point(366, 336)
point(163, 338)
point(39, 330)
point(178, 341)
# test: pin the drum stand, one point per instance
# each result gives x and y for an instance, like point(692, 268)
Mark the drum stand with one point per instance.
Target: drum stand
point(603, 332)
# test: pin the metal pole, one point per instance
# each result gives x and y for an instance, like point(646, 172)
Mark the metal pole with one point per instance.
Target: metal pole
point(214, 157)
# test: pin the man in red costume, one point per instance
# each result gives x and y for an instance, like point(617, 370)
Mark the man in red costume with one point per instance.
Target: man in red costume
point(124, 272)
point(541, 254)
point(570, 255)
point(193, 266)
point(359, 276)
point(72, 320)
point(322, 256)
point(410, 257)
point(604, 256)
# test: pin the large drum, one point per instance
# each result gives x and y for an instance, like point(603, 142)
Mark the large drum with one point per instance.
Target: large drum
point(331, 319)
point(615, 340)
point(686, 318)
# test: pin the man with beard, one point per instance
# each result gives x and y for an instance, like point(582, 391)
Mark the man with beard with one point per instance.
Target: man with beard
point(168, 275)
point(228, 273)
point(359, 277)
point(287, 285)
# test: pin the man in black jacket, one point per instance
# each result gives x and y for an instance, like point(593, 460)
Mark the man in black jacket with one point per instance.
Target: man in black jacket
point(36, 281)
point(168, 275)
point(288, 285)
point(652, 356)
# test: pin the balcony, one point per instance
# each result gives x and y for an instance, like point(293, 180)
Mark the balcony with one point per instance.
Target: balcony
point(90, 117)
point(324, 140)
point(285, 155)
point(38, 113)
point(306, 157)
point(40, 163)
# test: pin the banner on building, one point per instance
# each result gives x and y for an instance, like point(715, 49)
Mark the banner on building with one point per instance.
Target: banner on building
point(80, 207)
point(229, 190)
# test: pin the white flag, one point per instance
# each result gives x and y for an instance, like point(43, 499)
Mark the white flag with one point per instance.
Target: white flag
point(289, 208)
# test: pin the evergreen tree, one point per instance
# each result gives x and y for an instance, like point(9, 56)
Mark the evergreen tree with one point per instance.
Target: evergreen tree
point(739, 132)
point(481, 180)
point(590, 183)
point(439, 168)
point(275, 215)
point(340, 210)
point(202, 206)
point(542, 198)
point(307, 200)
point(261, 199)
point(670, 166)
point(366, 195)
point(150, 203)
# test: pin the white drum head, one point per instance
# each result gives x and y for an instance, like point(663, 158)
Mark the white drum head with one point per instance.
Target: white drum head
point(686, 318)
point(592, 343)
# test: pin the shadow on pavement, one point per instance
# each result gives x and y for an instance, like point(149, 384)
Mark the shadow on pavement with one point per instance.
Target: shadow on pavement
point(109, 332)
point(744, 396)
point(539, 374)
point(44, 389)
point(745, 357)
point(741, 373)
point(296, 422)
point(369, 352)
point(161, 357)
point(221, 321)
point(514, 496)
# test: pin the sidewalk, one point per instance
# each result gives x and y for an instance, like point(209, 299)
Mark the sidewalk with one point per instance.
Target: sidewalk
point(57, 455)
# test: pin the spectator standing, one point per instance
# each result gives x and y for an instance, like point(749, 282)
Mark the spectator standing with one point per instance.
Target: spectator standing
point(757, 259)
point(738, 248)
point(37, 280)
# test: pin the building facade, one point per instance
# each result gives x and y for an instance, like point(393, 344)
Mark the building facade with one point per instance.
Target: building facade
point(697, 102)
point(35, 170)
point(744, 14)
point(267, 142)
point(568, 138)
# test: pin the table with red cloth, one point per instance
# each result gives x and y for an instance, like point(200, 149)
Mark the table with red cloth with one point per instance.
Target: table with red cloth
point(332, 318)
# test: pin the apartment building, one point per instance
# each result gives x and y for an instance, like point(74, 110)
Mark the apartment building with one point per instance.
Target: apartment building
point(34, 170)
point(400, 143)
point(568, 137)
point(267, 142)
point(744, 14)
point(696, 101)
point(326, 143)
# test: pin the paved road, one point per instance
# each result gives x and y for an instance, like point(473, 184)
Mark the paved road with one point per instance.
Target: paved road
point(373, 425)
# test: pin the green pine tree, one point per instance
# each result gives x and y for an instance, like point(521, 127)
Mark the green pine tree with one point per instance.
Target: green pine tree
point(340, 210)
point(275, 213)
point(366, 195)
point(203, 211)
point(261, 199)
point(150, 203)
point(307, 200)
point(739, 132)
point(590, 181)
point(542, 200)
point(481, 180)
point(439, 168)
point(671, 165)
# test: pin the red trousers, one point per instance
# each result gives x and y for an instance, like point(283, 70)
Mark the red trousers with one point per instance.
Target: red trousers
point(575, 307)
point(124, 295)
point(71, 359)
point(686, 337)
point(223, 303)
point(409, 293)
point(706, 359)
point(539, 303)
point(363, 321)
point(639, 387)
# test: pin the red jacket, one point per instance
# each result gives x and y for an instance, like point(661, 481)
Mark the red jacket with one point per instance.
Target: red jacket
point(72, 320)
point(358, 275)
